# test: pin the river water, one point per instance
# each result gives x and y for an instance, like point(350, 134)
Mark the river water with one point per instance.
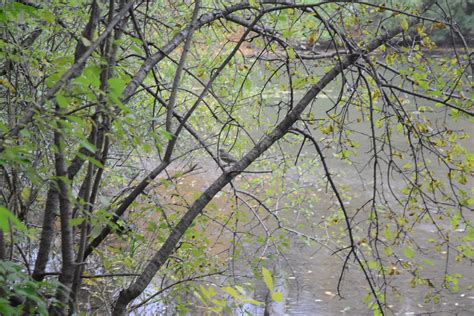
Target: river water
point(307, 272)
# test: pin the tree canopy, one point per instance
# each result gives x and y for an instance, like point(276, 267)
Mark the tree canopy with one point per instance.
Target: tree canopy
point(162, 155)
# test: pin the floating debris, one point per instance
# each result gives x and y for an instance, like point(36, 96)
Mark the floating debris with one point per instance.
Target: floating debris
point(329, 293)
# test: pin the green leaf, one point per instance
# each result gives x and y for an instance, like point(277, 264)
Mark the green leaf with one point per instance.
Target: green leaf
point(404, 23)
point(379, 123)
point(48, 16)
point(377, 312)
point(455, 221)
point(254, 3)
point(62, 101)
point(92, 160)
point(428, 262)
point(408, 252)
point(291, 53)
point(166, 134)
point(252, 301)
point(388, 233)
point(91, 76)
point(76, 221)
point(267, 278)
point(372, 265)
point(7, 218)
point(116, 86)
point(388, 251)
point(6, 308)
point(220, 303)
point(85, 41)
point(231, 291)
point(90, 147)
point(241, 290)
point(470, 234)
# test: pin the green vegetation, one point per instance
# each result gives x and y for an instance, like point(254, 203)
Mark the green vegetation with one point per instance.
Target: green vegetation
point(209, 156)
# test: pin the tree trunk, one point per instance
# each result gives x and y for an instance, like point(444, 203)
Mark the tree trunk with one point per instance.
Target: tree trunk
point(47, 232)
point(65, 211)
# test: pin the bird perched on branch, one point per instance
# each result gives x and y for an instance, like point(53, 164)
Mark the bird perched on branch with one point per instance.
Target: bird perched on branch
point(226, 157)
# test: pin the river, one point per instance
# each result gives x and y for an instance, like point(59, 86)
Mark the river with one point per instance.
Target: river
point(308, 271)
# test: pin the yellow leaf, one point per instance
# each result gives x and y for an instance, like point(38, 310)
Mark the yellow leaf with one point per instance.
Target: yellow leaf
point(267, 278)
point(254, 3)
point(291, 53)
point(7, 85)
point(277, 296)
point(231, 291)
point(404, 24)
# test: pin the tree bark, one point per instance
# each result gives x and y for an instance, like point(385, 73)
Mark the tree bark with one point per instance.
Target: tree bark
point(65, 211)
point(47, 232)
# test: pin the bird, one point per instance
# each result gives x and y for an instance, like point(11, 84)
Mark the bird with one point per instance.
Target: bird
point(226, 157)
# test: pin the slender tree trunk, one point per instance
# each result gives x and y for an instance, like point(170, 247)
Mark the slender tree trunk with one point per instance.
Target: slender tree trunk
point(2, 246)
point(47, 232)
point(85, 196)
point(65, 211)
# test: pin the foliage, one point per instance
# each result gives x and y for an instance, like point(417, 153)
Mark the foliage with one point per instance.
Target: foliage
point(17, 288)
point(351, 133)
